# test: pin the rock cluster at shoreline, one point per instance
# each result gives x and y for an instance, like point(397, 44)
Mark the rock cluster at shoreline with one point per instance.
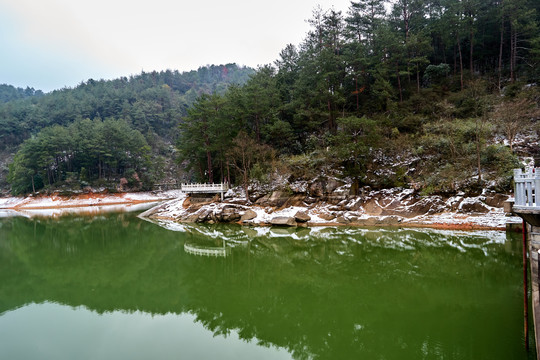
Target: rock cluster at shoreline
point(329, 203)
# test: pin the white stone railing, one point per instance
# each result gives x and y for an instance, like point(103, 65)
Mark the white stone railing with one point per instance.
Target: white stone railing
point(527, 187)
point(205, 188)
point(195, 250)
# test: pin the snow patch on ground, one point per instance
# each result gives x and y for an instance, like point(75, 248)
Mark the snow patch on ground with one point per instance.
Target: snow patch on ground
point(80, 210)
point(89, 204)
point(392, 206)
point(57, 201)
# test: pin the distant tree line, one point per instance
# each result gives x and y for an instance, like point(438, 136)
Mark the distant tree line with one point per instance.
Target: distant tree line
point(101, 131)
point(149, 102)
point(10, 93)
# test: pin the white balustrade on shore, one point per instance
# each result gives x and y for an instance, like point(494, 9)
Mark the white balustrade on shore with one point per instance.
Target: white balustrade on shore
point(205, 188)
point(202, 188)
point(527, 184)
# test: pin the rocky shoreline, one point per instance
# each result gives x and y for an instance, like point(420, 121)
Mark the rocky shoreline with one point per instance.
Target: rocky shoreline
point(326, 203)
point(318, 205)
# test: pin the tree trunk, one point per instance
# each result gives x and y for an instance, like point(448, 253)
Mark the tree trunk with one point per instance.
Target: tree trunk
point(357, 94)
point(406, 17)
point(478, 160)
point(501, 50)
point(208, 159)
point(479, 126)
point(331, 124)
point(209, 165)
point(257, 128)
point(444, 53)
point(221, 169)
point(471, 49)
point(228, 174)
point(399, 83)
point(455, 61)
point(460, 60)
point(512, 53)
point(514, 57)
point(246, 187)
point(201, 171)
point(417, 79)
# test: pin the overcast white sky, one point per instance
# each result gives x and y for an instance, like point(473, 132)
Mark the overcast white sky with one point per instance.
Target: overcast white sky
point(50, 44)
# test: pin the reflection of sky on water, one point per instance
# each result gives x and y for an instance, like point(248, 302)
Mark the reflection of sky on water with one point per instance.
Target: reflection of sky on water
point(82, 210)
point(4, 213)
point(36, 330)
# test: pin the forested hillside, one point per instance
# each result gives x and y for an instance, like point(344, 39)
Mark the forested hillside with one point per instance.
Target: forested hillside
point(440, 96)
point(431, 95)
point(101, 130)
point(10, 93)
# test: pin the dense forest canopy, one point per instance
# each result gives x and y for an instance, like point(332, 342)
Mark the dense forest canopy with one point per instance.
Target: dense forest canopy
point(423, 93)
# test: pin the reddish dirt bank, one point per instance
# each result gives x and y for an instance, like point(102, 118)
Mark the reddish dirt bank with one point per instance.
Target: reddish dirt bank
point(56, 201)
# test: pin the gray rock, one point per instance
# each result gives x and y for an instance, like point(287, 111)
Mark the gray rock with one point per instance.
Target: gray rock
point(248, 215)
point(283, 221)
point(278, 198)
point(302, 217)
point(333, 184)
point(191, 218)
point(327, 216)
point(473, 207)
point(230, 214)
point(316, 189)
point(204, 215)
point(342, 220)
point(496, 200)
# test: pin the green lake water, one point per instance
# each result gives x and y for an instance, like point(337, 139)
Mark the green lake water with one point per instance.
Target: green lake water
point(118, 287)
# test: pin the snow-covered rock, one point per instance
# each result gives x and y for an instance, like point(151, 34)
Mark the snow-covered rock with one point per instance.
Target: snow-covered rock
point(382, 207)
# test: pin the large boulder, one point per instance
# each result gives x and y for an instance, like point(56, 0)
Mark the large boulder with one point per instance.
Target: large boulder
point(302, 217)
point(371, 207)
point(333, 184)
point(426, 206)
point(203, 215)
point(191, 218)
point(327, 216)
point(230, 214)
point(295, 200)
point(342, 220)
point(473, 205)
point(248, 215)
point(316, 189)
point(263, 201)
point(496, 200)
point(278, 198)
point(283, 221)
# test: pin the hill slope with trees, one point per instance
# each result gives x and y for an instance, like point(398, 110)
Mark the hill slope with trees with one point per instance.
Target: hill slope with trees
point(432, 95)
point(439, 96)
point(101, 130)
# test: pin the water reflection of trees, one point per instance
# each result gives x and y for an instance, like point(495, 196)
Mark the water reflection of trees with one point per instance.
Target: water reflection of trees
point(325, 293)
